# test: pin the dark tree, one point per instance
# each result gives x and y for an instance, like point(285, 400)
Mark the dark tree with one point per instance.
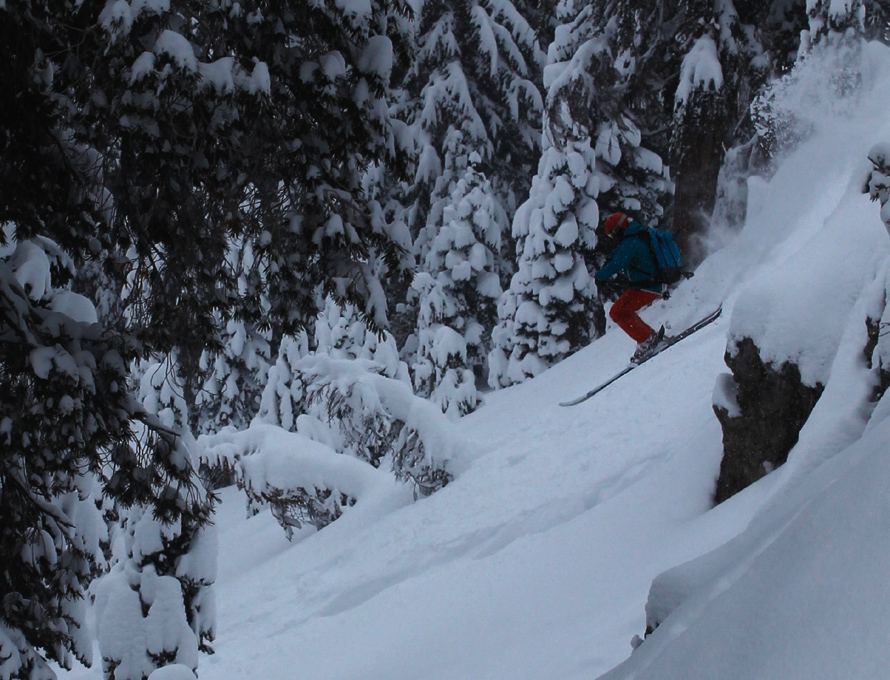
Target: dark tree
point(147, 138)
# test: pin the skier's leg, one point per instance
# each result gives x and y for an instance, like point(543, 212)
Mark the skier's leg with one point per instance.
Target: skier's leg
point(624, 313)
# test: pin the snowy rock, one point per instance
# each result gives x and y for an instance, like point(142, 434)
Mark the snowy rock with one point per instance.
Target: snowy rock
point(879, 181)
point(726, 395)
point(877, 347)
point(761, 408)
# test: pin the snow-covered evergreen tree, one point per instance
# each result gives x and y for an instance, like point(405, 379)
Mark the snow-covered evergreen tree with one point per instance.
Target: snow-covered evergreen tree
point(160, 389)
point(441, 368)
point(834, 21)
point(476, 72)
point(828, 57)
point(390, 214)
point(687, 72)
point(284, 395)
point(836, 31)
point(474, 90)
point(727, 53)
point(352, 393)
point(291, 398)
point(156, 607)
point(601, 60)
point(551, 308)
point(67, 440)
point(235, 374)
point(593, 152)
point(722, 63)
point(292, 186)
point(149, 136)
point(376, 418)
point(541, 16)
point(340, 333)
point(753, 144)
point(458, 290)
point(877, 20)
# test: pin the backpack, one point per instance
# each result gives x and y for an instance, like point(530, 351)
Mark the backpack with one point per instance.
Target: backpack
point(666, 255)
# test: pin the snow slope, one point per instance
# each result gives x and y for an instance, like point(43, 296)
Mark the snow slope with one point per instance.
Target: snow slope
point(536, 562)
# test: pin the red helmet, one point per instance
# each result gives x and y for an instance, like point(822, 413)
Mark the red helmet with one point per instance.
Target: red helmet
point(616, 221)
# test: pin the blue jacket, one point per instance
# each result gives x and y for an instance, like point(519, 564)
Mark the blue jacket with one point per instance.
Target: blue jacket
point(634, 258)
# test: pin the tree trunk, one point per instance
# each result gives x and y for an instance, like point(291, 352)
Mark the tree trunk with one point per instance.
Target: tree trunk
point(698, 154)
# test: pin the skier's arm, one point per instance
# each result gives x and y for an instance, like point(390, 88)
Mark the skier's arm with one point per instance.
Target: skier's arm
point(621, 257)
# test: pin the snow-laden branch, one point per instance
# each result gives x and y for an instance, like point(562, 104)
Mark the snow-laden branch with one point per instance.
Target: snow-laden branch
point(701, 70)
point(266, 454)
point(302, 480)
point(422, 443)
point(310, 476)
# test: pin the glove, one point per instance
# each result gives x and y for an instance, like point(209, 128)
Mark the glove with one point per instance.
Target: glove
point(610, 289)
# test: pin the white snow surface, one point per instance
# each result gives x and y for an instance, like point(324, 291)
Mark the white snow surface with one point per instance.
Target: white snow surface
point(536, 562)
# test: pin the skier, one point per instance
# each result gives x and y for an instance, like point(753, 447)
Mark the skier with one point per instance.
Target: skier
point(630, 256)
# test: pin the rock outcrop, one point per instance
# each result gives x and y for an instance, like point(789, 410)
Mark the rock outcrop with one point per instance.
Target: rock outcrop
point(762, 409)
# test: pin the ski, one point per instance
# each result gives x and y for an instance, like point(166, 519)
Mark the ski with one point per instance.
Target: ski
point(667, 342)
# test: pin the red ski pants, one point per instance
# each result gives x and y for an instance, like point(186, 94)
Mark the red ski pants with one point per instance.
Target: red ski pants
point(624, 312)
